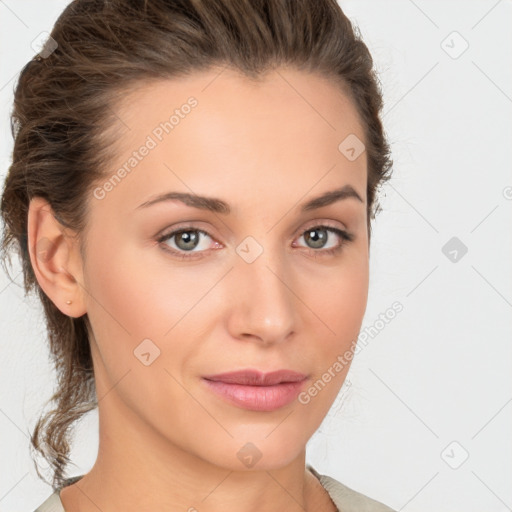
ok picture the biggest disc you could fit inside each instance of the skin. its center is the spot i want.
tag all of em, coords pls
(166, 441)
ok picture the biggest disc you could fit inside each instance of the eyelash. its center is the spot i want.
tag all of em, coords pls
(344, 236)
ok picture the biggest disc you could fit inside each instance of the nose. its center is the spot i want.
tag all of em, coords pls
(264, 305)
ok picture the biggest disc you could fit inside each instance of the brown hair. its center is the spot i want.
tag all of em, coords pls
(63, 107)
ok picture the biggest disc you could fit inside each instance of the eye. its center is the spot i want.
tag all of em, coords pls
(189, 238)
(186, 239)
(318, 236)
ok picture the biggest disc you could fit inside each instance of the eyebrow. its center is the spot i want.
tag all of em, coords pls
(219, 206)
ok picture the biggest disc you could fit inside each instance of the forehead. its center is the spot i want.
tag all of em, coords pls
(286, 128)
(300, 94)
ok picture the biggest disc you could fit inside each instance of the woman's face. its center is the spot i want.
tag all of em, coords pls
(256, 281)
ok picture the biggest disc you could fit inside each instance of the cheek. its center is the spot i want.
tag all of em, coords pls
(339, 299)
(339, 304)
(132, 305)
(349, 299)
(131, 295)
(138, 296)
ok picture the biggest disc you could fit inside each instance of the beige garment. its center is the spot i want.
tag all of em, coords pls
(345, 498)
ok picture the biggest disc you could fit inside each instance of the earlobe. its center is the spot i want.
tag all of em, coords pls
(55, 259)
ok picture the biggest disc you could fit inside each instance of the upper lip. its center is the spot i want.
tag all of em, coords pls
(257, 378)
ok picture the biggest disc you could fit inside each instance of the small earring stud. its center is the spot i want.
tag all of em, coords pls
(68, 302)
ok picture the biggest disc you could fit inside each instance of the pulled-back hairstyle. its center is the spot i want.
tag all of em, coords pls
(63, 107)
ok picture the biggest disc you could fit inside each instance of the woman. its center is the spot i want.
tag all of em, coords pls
(191, 193)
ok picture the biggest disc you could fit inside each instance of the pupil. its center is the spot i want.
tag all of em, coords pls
(318, 237)
(188, 239)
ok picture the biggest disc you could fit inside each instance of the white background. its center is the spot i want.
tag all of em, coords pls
(440, 371)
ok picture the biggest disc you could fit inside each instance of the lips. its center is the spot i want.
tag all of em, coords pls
(257, 378)
(255, 390)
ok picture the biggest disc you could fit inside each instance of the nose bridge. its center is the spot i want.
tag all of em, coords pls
(266, 304)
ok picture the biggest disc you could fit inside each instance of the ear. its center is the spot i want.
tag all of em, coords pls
(55, 257)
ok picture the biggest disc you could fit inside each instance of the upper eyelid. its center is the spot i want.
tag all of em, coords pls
(168, 234)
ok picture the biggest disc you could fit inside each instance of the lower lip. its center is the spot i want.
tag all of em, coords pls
(257, 398)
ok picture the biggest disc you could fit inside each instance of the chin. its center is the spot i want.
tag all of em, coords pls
(259, 451)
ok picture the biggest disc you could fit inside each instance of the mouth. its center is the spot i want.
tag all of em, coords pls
(255, 390)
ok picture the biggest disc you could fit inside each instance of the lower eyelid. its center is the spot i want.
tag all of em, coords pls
(342, 234)
(168, 236)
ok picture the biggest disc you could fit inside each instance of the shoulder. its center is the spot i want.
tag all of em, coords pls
(347, 499)
(53, 503)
